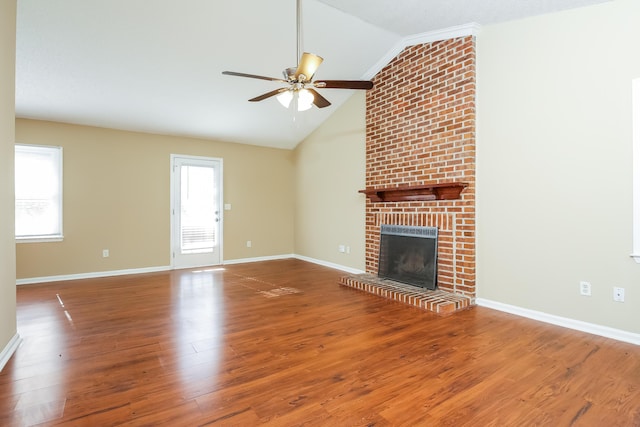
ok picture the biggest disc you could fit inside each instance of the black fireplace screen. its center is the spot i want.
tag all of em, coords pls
(408, 255)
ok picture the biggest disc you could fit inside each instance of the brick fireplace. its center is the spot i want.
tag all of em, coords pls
(420, 141)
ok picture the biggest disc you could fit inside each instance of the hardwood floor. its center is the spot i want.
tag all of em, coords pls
(281, 343)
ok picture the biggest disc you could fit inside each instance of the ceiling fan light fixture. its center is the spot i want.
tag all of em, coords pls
(305, 100)
(285, 98)
(301, 87)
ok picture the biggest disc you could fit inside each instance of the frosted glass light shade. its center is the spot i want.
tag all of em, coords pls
(285, 98)
(305, 100)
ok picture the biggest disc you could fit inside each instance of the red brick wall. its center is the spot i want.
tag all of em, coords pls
(420, 130)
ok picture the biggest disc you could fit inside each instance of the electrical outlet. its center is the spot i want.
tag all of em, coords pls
(585, 289)
(341, 249)
(348, 249)
(105, 253)
(618, 294)
(248, 243)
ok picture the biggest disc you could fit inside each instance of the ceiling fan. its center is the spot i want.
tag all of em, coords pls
(299, 80)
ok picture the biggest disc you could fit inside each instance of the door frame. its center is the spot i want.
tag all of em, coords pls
(172, 201)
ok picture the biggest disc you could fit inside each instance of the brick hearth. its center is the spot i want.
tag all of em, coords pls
(437, 301)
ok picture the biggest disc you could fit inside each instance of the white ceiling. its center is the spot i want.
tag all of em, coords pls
(155, 65)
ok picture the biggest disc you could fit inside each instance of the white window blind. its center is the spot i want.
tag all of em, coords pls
(38, 176)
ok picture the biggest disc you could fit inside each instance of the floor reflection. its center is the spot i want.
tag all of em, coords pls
(40, 393)
(198, 319)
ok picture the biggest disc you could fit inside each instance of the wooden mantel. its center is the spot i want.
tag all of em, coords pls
(441, 191)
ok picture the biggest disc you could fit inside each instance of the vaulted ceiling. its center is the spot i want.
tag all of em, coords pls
(155, 66)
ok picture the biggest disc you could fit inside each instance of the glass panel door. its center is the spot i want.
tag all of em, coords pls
(196, 216)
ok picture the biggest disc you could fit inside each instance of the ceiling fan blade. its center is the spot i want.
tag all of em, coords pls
(308, 66)
(319, 100)
(252, 76)
(269, 94)
(344, 84)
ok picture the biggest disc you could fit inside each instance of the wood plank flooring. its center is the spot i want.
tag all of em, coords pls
(280, 343)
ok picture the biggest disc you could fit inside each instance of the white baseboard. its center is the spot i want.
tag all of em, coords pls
(329, 264)
(591, 328)
(257, 259)
(9, 349)
(94, 275)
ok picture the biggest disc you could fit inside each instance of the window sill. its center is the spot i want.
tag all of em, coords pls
(39, 239)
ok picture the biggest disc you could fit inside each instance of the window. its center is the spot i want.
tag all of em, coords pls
(38, 174)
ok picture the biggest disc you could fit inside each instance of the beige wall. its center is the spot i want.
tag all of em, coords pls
(116, 196)
(330, 167)
(7, 135)
(554, 171)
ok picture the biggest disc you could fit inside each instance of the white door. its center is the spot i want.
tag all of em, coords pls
(196, 220)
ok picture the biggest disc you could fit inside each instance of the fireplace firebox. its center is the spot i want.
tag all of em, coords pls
(408, 254)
